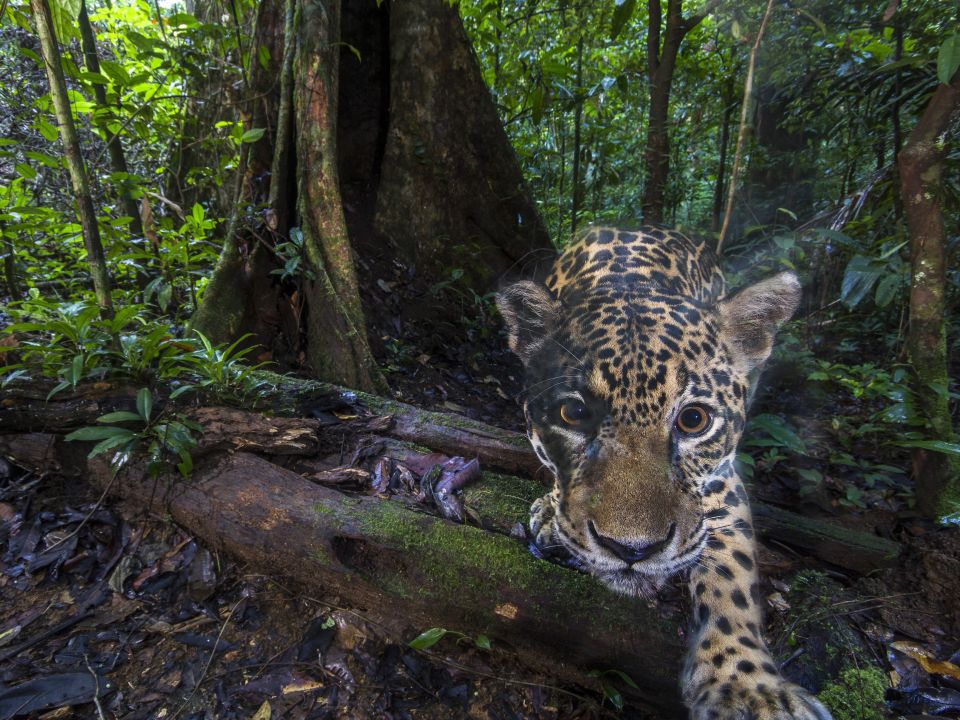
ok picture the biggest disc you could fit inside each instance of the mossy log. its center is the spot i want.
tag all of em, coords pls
(406, 567)
(309, 418)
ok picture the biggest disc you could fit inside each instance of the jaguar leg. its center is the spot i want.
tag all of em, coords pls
(730, 673)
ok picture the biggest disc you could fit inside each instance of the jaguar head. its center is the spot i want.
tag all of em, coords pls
(635, 399)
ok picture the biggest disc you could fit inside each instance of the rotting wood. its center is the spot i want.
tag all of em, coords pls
(389, 559)
(340, 417)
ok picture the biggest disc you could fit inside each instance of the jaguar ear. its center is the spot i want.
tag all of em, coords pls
(752, 317)
(531, 315)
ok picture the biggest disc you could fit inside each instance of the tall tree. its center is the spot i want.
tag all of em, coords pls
(50, 50)
(920, 163)
(663, 45)
(430, 182)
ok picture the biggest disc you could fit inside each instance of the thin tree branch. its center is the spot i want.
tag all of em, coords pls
(742, 133)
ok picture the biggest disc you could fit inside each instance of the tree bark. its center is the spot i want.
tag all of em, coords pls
(451, 193)
(920, 163)
(337, 345)
(227, 310)
(71, 146)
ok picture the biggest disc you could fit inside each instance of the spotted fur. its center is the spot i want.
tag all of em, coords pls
(633, 336)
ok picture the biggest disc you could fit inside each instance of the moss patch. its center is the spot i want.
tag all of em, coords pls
(503, 499)
(413, 555)
(857, 696)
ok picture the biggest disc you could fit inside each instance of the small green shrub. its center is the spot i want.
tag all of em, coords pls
(857, 696)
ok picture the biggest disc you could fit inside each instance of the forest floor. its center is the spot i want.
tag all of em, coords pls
(181, 631)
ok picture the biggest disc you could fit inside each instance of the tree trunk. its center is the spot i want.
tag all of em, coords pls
(337, 346)
(71, 147)
(373, 552)
(745, 106)
(451, 193)
(10, 271)
(661, 63)
(397, 159)
(576, 184)
(725, 123)
(920, 163)
(227, 309)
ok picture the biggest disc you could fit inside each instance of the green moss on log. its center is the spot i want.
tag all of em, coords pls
(503, 499)
(419, 557)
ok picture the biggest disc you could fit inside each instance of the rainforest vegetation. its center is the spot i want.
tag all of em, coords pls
(236, 235)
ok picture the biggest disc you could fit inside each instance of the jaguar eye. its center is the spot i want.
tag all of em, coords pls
(574, 412)
(693, 420)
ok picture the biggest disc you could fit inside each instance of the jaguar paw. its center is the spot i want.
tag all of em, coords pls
(761, 701)
(543, 541)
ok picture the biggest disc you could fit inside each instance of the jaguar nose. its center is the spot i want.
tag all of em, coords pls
(633, 552)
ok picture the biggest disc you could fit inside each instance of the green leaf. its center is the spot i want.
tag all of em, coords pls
(613, 695)
(65, 13)
(537, 103)
(76, 369)
(63, 385)
(144, 403)
(116, 72)
(94, 78)
(859, 277)
(263, 56)
(948, 59)
(25, 171)
(941, 446)
(164, 296)
(482, 642)
(181, 390)
(185, 466)
(621, 14)
(252, 135)
(887, 290)
(98, 433)
(626, 679)
(46, 129)
(43, 158)
(108, 444)
(354, 50)
(783, 435)
(428, 638)
(119, 416)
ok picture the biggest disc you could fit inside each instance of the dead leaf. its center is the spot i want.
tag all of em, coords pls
(264, 712)
(777, 602)
(927, 659)
(303, 685)
(507, 610)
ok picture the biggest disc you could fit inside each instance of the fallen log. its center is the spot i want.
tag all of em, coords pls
(390, 559)
(316, 418)
(340, 411)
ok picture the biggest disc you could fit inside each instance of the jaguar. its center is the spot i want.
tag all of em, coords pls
(637, 372)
